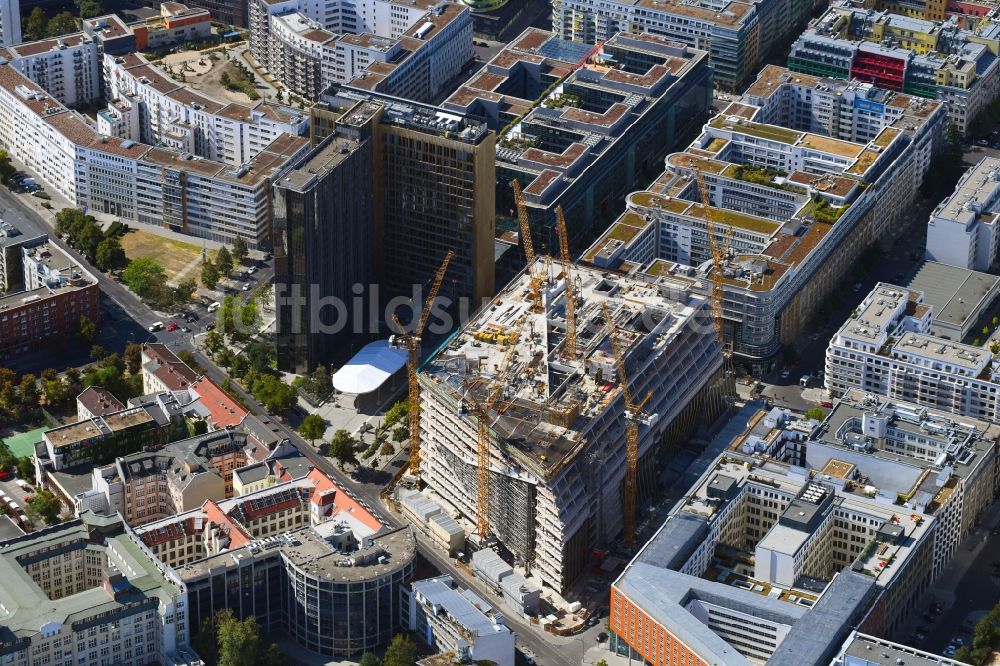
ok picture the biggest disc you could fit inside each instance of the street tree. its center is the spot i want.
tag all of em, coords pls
(110, 256)
(7, 169)
(224, 261)
(240, 250)
(312, 427)
(342, 448)
(145, 277)
(209, 275)
(402, 651)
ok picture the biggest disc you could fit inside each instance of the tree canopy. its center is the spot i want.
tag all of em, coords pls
(312, 427)
(342, 448)
(145, 276)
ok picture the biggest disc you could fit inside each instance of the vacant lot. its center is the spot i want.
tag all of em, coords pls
(178, 258)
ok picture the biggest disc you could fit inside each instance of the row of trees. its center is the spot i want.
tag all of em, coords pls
(38, 25)
(81, 232)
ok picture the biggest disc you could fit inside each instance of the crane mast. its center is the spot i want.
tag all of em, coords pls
(481, 410)
(411, 343)
(633, 414)
(535, 280)
(569, 349)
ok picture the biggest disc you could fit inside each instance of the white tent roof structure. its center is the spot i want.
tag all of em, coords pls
(369, 368)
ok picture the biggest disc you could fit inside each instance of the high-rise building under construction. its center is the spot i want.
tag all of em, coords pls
(558, 451)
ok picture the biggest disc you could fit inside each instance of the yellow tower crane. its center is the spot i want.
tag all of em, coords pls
(633, 414)
(719, 254)
(535, 283)
(411, 343)
(569, 349)
(481, 410)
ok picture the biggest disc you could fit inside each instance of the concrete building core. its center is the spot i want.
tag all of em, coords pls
(558, 458)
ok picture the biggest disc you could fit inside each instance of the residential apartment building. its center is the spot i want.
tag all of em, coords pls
(580, 127)
(777, 553)
(963, 229)
(225, 11)
(10, 22)
(434, 178)
(459, 622)
(217, 200)
(103, 438)
(171, 115)
(325, 245)
(557, 466)
(934, 59)
(47, 303)
(87, 591)
(66, 67)
(406, 49)
(181, 476)
(802, 174)
(886, 348)
(737, 34)
(272, 555)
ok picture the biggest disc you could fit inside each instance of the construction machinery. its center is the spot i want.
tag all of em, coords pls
(535, 283)
(633, 415)
(569, 349)
(481, 409)
(411, 343)
(720, 252)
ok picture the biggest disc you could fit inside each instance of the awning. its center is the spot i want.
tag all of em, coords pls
(369, 368)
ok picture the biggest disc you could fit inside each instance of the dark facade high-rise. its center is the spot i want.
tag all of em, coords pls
(323, 248)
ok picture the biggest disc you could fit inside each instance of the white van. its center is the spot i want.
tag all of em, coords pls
(804, 380)
(214, 306)
(156, 326)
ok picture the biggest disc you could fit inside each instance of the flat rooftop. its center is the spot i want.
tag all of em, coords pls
(957, 295)
(509, 333)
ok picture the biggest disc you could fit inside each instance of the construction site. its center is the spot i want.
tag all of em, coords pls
(544, 419)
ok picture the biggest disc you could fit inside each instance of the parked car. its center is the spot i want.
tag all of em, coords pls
(171, 327)
(785, 374)
(156, 326)
(252, 270)
(210, 327)
(185, 329)
(950, 651)
(247, 287)
(6, 476)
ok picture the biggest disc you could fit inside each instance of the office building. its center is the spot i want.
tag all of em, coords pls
(863, 650)
(88, 592)
(10, 22)
(46, 305)
(305, 557)
(737, 34)
(934, 59)
(787, 544)
(961, 300)
(919, 459)
(459, 622)
(805, 173)
(580, 127)
(886, 348)
(434, 176)
(558, 463)
(963, 229)
(408, 49)
(324, 247)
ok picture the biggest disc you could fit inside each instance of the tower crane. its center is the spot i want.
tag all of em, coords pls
(719, 254)
(411, 343)
(481, 410)
(569, 349)
(633, 414)
(535, 282)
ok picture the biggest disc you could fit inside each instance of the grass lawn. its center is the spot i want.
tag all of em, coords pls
(174, 255)
(23, 444)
